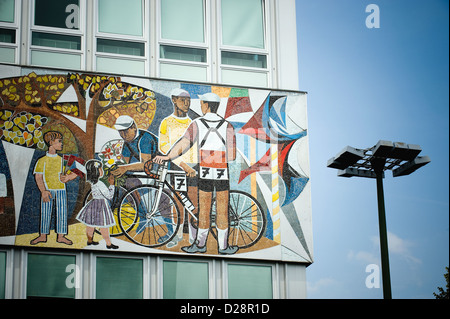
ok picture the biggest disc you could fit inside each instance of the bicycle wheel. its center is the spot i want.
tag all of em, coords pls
(247, 221)
(143, 227)
(113, 230)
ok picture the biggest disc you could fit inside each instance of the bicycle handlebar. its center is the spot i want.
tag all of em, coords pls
(154, 170)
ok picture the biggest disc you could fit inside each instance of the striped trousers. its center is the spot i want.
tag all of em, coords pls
(59, 197)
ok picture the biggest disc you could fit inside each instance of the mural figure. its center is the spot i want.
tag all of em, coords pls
(164, 166)
(97, 212)
(51, 182)
(139, 146)
(216, 142)
(171, 129)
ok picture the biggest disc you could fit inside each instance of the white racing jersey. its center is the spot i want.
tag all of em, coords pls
(212, 147)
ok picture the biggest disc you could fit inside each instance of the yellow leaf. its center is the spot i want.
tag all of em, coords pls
(30, 128)
(8, 124)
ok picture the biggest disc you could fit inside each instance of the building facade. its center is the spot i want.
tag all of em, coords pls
(87, 72)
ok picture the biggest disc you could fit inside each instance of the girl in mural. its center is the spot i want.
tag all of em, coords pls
(97, 212)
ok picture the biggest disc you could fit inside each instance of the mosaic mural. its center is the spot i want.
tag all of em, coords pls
(99, 162)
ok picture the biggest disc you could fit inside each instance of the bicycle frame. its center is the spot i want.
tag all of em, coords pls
(161, 182)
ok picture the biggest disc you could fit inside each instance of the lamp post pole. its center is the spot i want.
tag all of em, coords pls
(401, 159)
(378, 168)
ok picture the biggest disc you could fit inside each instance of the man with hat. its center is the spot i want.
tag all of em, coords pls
(139, 147)
(170, 130)
(216, 145)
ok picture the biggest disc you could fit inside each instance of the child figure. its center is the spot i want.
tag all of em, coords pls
(97, 212)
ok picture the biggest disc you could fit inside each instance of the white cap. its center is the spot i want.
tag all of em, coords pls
(123, 122)
(179, 92)
(209, 97)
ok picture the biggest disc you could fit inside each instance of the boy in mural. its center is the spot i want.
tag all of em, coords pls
(216, 142)
(52, 185)
(171, 129)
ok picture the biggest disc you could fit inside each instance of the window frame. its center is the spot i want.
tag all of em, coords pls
(9, 267)
(16, 27)
(145, 39)
(206, 45)
(274, 273)
(211, 273)
(146, 271)
(246, 50)
(81, 32)
(24, 274)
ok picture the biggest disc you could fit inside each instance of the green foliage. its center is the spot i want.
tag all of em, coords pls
(443, 294)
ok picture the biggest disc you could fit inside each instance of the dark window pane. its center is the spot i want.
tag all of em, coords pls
(244, 59)
(184, 54)
(7, 36)
(56, 40)
(119, 278)
(121, 47)
(52, 13)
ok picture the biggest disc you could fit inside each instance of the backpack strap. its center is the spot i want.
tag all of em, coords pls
(212, 129)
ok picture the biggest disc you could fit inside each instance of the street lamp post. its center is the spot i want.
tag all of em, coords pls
(402, 159)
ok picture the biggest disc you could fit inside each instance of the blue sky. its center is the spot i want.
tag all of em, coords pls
(365, 85)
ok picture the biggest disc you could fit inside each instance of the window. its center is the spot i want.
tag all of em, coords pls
(9, 31)
(243, 23)
(121, 37)
(47, 275)
(249, 282)
(2, 274)
(119, 278)
(57, 33)
(243, 48)
(185, 280)
(183, 48)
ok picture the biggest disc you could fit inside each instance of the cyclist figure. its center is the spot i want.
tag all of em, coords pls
(216, 143)
(171, 129)
(139, 147)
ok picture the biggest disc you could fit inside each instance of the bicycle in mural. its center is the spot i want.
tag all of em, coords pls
(148, 215)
